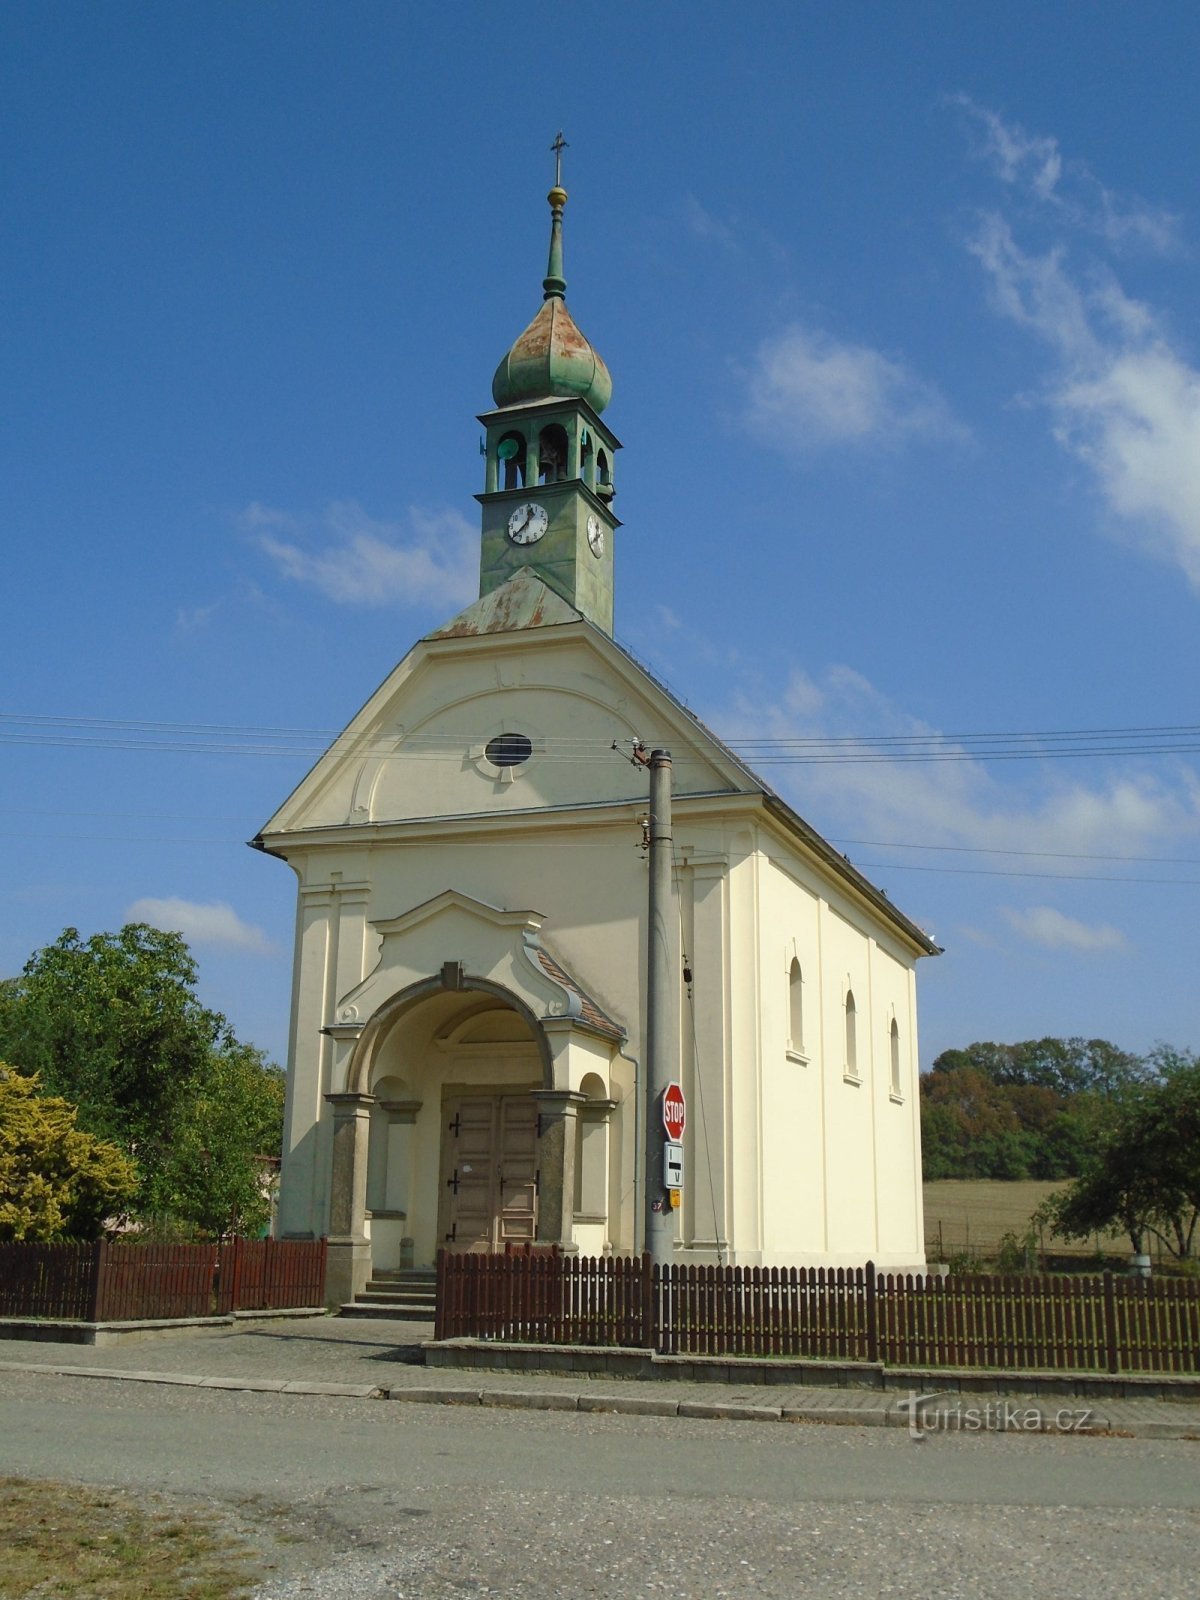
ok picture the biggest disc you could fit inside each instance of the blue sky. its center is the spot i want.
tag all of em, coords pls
(901, 309)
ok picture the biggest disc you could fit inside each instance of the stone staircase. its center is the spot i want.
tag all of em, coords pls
(409, 1294)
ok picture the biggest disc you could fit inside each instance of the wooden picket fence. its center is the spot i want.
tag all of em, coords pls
(1035, 1323)
(126, 1281)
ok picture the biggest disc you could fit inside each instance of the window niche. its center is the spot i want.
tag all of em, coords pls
(851, 1051)
(894, 1058)
(795, 998)
(591, 1151)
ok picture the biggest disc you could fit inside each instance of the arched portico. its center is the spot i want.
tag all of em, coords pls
(456, 1123)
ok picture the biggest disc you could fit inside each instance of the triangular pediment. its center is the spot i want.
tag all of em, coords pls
(520, 662)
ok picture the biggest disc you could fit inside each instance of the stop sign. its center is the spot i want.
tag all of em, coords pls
(674, 1112)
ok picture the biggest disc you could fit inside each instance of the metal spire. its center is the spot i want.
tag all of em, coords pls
(554, 284)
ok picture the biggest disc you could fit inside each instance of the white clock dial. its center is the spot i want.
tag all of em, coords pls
(528, 523)
(595, 533)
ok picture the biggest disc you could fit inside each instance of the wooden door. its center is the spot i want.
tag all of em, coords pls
(489, 1172)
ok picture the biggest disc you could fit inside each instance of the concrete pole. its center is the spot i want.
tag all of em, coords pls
(662, 1056)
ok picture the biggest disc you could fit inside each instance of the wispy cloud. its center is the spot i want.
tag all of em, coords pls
(1045, 926)
(1124, 400)
(1122, 393)
(1035, 165)
(806, 390)
(216, 924)
(353, 559)
(958, 802)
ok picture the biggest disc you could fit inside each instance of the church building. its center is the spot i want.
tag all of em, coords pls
(466, 1065)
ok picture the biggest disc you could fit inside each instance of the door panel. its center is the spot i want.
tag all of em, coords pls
(489, 1172)
(518, 1171)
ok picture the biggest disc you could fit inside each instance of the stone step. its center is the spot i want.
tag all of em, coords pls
(420, 1291)
(400, 1310)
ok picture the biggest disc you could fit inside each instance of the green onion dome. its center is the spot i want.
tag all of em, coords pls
(552, 358)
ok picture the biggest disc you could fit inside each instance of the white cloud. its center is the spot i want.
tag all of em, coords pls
(807, 390)
(1045, 926)
(1124, 401)
(215, 924)
(1034, 164)
(955, 803)
(353, 559)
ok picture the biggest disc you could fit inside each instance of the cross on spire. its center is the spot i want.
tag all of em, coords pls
(559, 145)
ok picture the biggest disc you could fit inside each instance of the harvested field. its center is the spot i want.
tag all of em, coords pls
(972, 1215)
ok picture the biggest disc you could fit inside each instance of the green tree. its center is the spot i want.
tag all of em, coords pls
(113, 1023)
(56, 1182)
(1020, 1110)
(219, 1175)
(1143, 1172)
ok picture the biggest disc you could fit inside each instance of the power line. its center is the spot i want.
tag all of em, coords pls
(128, 734)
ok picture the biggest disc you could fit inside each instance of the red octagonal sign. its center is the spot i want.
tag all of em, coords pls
(674, 1112)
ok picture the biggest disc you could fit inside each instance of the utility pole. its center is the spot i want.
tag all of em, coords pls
(661, 986)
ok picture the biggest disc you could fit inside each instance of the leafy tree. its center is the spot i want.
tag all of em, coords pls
(1020, 1110)
(56, 1182)
(113, 1023)
(216, 1175)
(1143, 1174)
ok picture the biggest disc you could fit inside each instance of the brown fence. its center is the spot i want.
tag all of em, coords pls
(1039, 1323)
(126, 1281)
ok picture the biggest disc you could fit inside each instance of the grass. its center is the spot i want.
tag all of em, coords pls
(66, 1542)
(971, 1215)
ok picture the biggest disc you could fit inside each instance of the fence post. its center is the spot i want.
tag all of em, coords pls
(650, 1330)
(1110, 1322)
(439, 1297)
(99, 1262)
(872, 1315)
(235, 1275)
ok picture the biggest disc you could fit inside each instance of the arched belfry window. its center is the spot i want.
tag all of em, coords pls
(604, 486)
(587, 453)
(552, 454)
(795, 1008)
(894, 1049)
(510, 455)
(851, 1035)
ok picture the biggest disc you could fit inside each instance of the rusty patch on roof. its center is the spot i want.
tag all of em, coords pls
(523, 602)
(589, 1012)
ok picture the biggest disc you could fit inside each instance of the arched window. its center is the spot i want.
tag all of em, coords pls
(851, 1035)
(795, 1008)
(603, 476)
(510, 453)
(894, 1043)
(552, 454)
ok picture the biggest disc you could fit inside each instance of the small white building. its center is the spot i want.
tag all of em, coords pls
(468, 1004)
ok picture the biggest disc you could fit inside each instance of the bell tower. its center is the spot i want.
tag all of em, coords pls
(548, 483)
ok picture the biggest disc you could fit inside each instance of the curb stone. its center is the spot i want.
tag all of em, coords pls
(883, 1412)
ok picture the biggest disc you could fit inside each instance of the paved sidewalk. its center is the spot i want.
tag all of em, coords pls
(369, 1358)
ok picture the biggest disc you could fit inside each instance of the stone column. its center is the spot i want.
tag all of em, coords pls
(349, 1260)
(556, 1166)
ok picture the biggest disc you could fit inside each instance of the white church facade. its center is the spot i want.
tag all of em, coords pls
(468, 1017)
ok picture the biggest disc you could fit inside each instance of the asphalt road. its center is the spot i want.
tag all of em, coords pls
(374, 1499)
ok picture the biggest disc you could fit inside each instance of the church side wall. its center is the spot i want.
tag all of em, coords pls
(841, 1150)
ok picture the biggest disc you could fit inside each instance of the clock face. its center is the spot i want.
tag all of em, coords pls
(528, 523)
(595, 533)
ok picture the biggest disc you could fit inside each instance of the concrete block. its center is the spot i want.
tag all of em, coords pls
(248, 1385)
(530, 1400)
(353, 1391)
(629, 1405)
(435, 1397)
(727, 1411)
